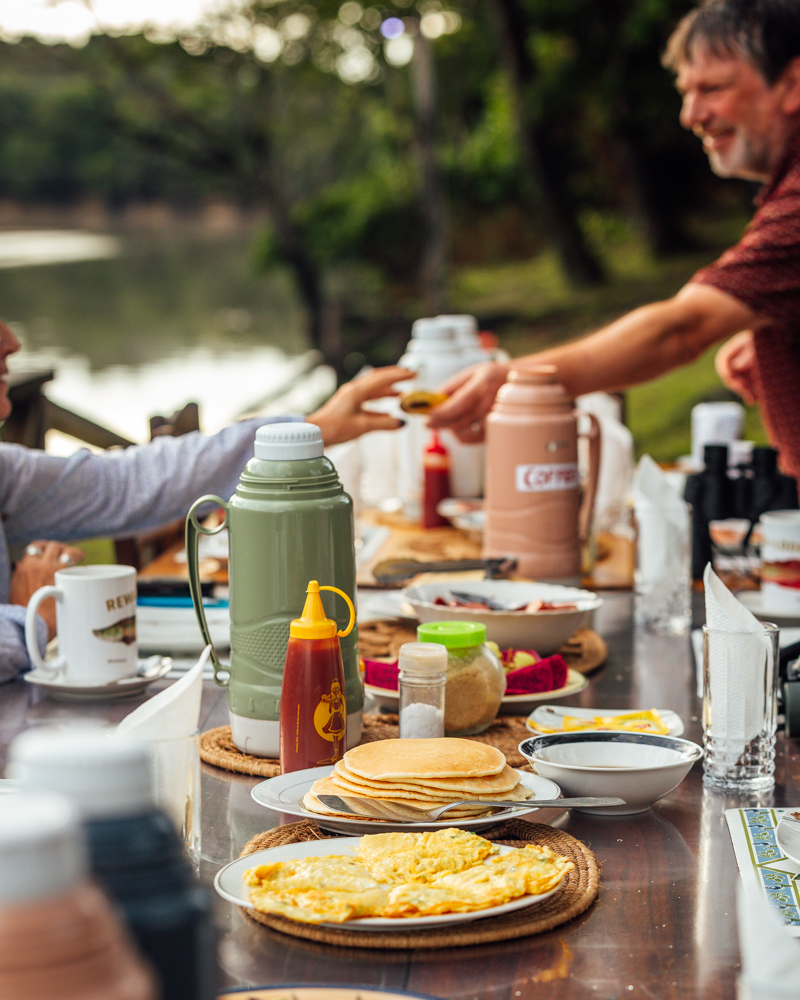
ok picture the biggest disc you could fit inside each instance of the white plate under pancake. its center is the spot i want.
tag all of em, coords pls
(284, 794)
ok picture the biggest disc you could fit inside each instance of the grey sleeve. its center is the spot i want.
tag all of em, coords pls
(118, 493)
(13, 651)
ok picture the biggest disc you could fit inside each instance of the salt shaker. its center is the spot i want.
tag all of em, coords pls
(423, 667)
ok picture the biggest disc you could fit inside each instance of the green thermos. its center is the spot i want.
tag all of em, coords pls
(289, 522)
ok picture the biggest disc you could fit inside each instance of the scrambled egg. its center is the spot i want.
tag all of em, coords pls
(334, 888)
(404, 875)
(419, 857)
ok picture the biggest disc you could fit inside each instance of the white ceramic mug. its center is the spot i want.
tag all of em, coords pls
(96, 620)
(780, 559)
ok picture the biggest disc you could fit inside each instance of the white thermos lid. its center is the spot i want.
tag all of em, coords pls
(288, 442)
(42, 850)
(102, 777)
(464, 326)
(431, 329)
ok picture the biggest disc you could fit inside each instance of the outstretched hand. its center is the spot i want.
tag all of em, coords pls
(471, 393)
(736, 365)
(343, 417)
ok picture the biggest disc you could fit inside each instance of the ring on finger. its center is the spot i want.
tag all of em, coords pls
(33, 550)
(66, 559)
(476, 427)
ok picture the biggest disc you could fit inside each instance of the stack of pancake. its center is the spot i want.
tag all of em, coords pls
(403, 779)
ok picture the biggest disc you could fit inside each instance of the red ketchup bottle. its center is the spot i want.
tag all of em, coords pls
(313, 718)
(436, 486)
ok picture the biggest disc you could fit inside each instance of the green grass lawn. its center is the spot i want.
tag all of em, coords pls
(531, 306)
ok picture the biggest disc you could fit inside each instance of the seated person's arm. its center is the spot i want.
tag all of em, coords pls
(643, 344)
(147, 486)
(13, 651)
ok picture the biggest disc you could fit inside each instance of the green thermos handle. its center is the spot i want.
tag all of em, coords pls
(193, 530)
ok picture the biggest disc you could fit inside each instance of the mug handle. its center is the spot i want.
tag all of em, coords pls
(30, 629)
(194, 529)
(587, 504)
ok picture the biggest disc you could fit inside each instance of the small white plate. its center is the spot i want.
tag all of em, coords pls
(512, 704)
(59, 687)
(389, 603)
(787, 834)
(552, 716)
(229, 883)
(753, 600)
(284, 794)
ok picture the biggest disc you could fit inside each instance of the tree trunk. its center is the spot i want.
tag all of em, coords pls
(307, 274)
(543, 154)
(434, 255)
(656, 217)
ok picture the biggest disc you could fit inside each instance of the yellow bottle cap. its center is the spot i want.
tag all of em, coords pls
(313, 624)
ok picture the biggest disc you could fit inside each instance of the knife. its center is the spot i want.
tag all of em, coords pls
(342, 804)
(393, 572)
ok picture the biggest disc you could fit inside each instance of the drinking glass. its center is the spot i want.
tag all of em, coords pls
(176, 777)
(740, 683)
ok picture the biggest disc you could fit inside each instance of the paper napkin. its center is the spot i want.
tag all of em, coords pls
(736, 668)
(662, 517)
(174, 711)
(616, 460)
(770, 957)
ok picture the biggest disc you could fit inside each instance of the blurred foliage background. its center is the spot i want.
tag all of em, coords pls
(518, 159)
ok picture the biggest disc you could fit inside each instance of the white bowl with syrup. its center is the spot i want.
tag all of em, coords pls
(638, 767)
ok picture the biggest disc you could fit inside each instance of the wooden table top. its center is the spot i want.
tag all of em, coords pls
(664, 923)
(613, 568)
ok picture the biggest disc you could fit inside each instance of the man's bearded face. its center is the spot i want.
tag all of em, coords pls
(738, 115)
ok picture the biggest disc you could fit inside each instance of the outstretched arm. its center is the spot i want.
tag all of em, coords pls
(643, 344)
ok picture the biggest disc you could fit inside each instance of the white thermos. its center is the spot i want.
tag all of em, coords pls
(435, 354)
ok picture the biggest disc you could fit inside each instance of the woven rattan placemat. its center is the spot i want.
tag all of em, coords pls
(585, 651)
(217, 747)
(578, 891)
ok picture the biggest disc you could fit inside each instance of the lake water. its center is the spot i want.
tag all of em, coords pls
(139, 324)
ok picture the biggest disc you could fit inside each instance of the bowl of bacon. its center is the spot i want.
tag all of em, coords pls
(516, 614)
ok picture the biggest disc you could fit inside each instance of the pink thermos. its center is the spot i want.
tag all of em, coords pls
(533, 504)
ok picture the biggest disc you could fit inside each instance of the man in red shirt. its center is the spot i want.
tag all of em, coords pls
(738, 70)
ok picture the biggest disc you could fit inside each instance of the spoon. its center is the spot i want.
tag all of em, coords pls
(149, 669)
(462, 597)
(343, 804)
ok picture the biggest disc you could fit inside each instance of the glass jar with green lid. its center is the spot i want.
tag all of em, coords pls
(476, 681)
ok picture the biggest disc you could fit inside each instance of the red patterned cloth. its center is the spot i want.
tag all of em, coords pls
(763, 271)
